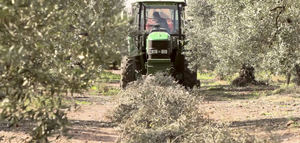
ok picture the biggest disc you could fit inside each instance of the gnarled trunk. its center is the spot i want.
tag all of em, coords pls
(246, 77)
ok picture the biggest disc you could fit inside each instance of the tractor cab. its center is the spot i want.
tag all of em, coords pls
(157, 44)
(164, 17)
(165, 14)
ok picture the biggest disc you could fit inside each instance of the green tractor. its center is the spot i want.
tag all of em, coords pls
(158, 43)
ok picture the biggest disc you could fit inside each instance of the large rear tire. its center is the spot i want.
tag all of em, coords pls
(128, 68)
(190, 78)
(186, 77)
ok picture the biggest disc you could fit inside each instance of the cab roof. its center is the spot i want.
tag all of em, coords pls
(174, 1)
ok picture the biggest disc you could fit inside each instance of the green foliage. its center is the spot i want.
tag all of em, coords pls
(83, 102)
(48, 48)
(156, 109)
(205, 76)
(104, 89)
(46, 111)
(107, 76)
(110, 91)
(200, 53)
(228, 34)
(291, 89)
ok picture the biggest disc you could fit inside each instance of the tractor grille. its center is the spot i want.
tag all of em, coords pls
(160, 44)
(159, 49)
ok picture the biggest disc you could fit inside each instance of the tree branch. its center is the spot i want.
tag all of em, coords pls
(276, 22)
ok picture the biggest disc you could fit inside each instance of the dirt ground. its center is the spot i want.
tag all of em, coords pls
(268, 116)
(89, 124)
(251, 109)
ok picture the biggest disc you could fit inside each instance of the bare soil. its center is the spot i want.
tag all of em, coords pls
(269, 116)
(88, 124)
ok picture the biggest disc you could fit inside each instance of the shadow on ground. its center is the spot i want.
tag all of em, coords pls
(91, 123)
(270, 126)
(92, 130)
(266, 124)
(227, 92)
(78, 129)
(24, 126)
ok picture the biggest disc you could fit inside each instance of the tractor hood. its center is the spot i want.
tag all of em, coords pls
(158, 36)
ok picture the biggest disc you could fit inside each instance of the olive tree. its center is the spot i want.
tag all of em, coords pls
(199, 18)
(249, 34)
(284, 53)
(51, 48)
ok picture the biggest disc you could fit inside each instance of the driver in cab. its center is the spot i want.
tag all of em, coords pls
(161, 21)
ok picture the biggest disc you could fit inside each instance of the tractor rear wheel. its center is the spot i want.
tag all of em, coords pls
(127, 71)
(190, 78)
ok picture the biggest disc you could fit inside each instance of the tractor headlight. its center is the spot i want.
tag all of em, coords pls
(153, 52)
(164, 51)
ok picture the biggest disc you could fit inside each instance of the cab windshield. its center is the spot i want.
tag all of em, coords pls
(164, 17)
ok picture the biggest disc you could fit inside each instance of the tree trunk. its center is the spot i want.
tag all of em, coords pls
(2, 96)
(246, 77)
(115, 65)
(297, 75)
(220, 76)
(288, 78)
